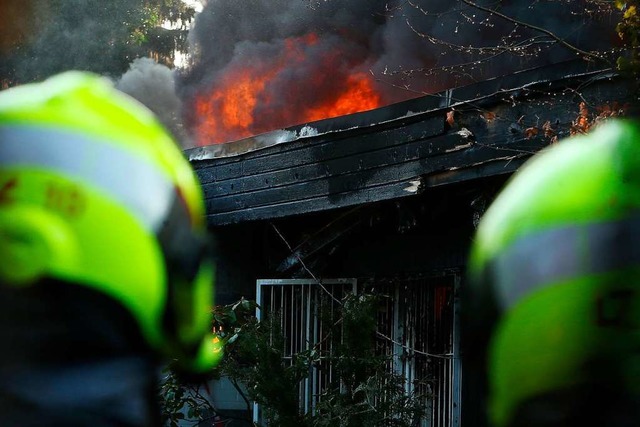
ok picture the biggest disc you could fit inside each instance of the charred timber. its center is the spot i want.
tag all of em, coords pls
(486, 129)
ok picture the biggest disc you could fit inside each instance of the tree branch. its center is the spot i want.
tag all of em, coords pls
(304, 265)
(235, 385)
(535, 28)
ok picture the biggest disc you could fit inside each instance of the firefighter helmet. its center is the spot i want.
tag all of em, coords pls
(552, 309)
(94, 191)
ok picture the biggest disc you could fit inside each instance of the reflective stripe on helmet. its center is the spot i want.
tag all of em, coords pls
(136, 184)
(559, 254)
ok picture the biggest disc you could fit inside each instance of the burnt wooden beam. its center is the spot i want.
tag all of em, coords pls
(372, 156)
(341, 186)
(329, 234)
(284, 165)
(315, 204)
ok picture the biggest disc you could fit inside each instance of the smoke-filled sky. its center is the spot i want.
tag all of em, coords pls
(379, 35)
(258, 65)
(306, 51)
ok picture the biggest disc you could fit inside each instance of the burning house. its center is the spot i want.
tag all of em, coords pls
(326, 172)
(386, 201)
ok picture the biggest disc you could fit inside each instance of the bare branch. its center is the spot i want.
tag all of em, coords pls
(235, 385)
(535, 28)
(305, 266)
(439, 356)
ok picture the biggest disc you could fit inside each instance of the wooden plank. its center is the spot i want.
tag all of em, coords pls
(510, 117)
(546, 78)
(334, 231)
(285, 156)
(340, 166)
(367, 195)
(350, 182)
(495, 167)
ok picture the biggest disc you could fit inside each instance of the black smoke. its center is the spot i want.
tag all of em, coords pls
(412, 47)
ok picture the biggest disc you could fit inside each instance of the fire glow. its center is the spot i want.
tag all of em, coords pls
(245, 99)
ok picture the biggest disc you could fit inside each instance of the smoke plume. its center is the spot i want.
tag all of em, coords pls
(296, 57)
(262, 65)
(153, 84)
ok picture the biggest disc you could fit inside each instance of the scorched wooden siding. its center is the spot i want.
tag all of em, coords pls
(481, 130)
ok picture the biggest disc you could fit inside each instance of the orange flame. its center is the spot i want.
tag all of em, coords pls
(228, 111)
(359, 96)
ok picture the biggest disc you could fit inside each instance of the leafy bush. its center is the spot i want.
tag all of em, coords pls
(365, 391)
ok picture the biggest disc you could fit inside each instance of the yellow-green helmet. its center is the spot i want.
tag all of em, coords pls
(551, 331)
(93, 191)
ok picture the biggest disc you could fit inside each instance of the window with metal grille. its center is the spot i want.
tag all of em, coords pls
(416, 328)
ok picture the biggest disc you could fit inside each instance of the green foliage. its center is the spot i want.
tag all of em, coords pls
(254, 358)
(94, 35)
(365, 392)
(368, 393)
(180, 401)
(629, 31)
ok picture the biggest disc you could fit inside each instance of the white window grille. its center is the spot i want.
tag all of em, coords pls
(417, 327)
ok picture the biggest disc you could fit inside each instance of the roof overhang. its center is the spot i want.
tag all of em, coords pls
(485, 129)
